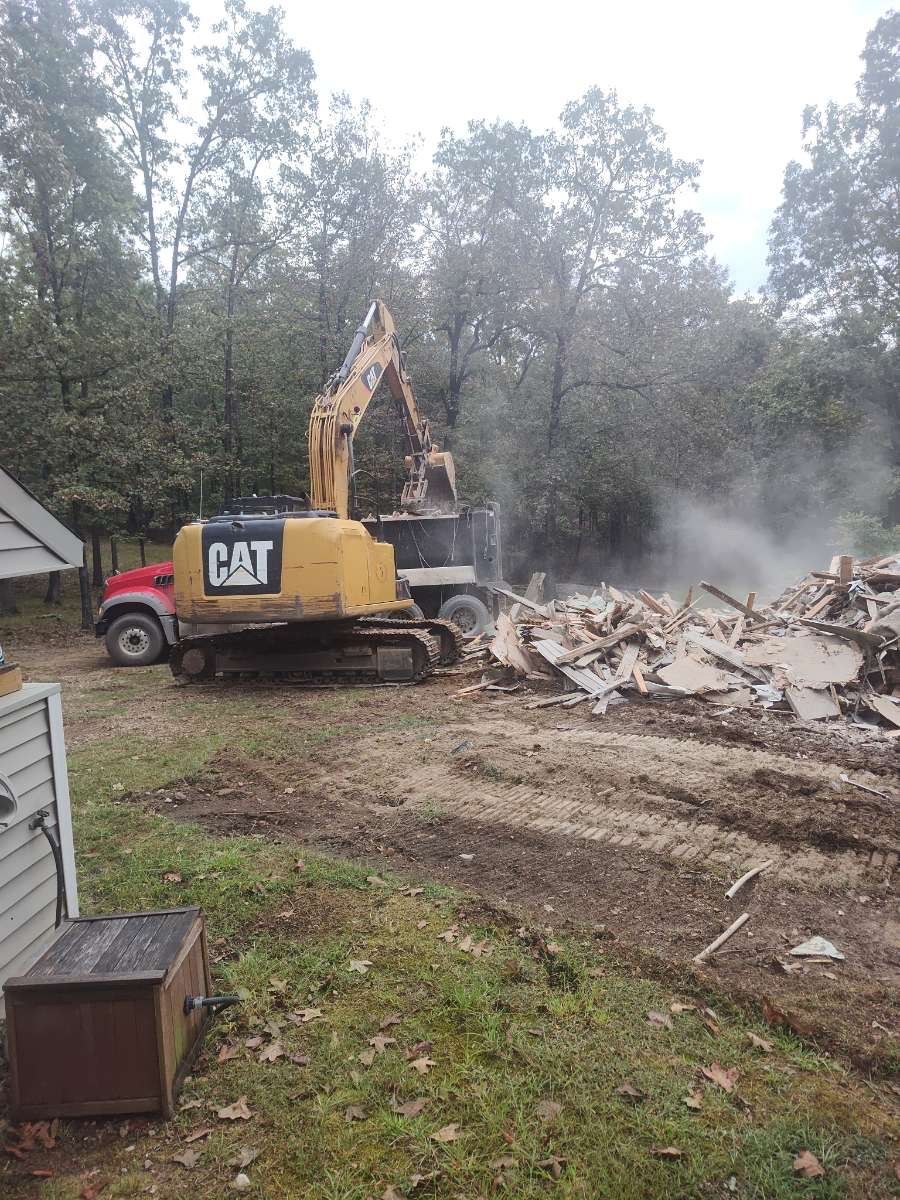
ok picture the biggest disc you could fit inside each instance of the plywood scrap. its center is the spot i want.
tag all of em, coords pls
(885, 707)
(811, 704)
(694, 676)
(810, 661)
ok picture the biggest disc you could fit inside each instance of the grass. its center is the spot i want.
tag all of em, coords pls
(528, 1047)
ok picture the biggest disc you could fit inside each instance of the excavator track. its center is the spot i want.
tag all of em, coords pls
(449, 636)
(362, 653)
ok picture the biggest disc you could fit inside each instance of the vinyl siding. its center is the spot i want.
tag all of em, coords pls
(27, 870)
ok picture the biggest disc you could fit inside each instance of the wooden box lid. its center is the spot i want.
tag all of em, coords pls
(125, 948)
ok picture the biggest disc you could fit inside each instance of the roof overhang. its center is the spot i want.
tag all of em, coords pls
(32, 540)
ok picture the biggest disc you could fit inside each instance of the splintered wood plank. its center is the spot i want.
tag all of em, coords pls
(588, 681)
(737, 631)
(810, 704)
(654, 604)
(622, 634)
(845, 570)
(639, 680)
(746, 609)
(819, 606)
(629, 659)
(751, 599)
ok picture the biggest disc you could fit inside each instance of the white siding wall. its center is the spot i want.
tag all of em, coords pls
(32, 758)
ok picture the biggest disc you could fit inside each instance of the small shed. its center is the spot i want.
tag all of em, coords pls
(32, 540)
(37, 862)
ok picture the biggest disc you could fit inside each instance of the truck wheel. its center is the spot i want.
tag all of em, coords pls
(135, 640)
(467, 613)
(404, 614)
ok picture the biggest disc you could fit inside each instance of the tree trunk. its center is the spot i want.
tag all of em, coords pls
(87, 604)
(143, 551)
(231, 407)
(556, 390)
(8, 606)
(114, 554)
(96, 560)
(53, 594)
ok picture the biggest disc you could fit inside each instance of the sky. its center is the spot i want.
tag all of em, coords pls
(728, 81)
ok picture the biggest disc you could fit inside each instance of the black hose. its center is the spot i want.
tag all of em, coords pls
(40, 822)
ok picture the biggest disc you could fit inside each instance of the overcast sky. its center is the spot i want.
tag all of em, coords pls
(728, 81)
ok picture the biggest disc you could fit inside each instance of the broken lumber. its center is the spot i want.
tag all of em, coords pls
(746, 877)
(722, 938)
(748, 612)
(605, 643)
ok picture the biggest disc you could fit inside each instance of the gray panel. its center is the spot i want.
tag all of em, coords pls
(63, 547)
(14, 537)
(34, 868)
(34, 917)
(25, 724)
(35, 561)
(18, 833)
(23, 710)
(17, 758)
(32, 778)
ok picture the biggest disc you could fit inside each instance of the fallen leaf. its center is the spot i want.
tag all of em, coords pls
(391, 1193)
(241, 1182)
(270, 1053)
(506, 1163)
(367, 1057)
(773, 1014)
(273, 1027)
(421, 924)
(299, 1060)
(417, 1049)
(628, 1091)
(171, 877)
(410, 1108)
(694, 1100)
(412, 891)
(278, 985)
(554, 1165)
(760, 1043)
(197, 1134)
(718, 1074)
(391, 1019)
(188, 1158)
(548, 1110)
(91, 1191)
(659, 1020)
(186, 1104)
(678, 1007)
(354, 1112)
(423, 1065)
(254, 1043)
(359, 964)
(466, 944)
(235, 1112)
(666, 1151)
(302, 1016)
(808, 1165)
(449, 935)
(379, 1041)
(376, 881)
(244, 1158)
(417, 1179)
(299, 865)
(447, 1133)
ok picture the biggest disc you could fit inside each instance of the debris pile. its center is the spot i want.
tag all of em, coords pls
(827, 647)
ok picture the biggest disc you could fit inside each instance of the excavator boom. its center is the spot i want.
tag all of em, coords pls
(339, 409)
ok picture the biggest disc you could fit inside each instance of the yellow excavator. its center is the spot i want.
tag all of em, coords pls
(279, 586)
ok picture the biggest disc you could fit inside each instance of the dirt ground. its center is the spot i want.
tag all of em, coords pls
(632, 825)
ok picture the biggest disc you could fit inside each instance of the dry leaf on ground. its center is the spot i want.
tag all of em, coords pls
(354, 1112)
(694, 1100)
(554, 1165)
(410, 1108)
(659, 1020)
(367, 1057)
(391, 1193)
(807, 1165)
(666, 1151)
(300, 1060)
(376, 881)
(254, 1043)
(270, 1053)
(726, 1079)
(277, 985)
(448, 1133)
(197, 1134)
(391, 1019)
(423, 1065)
(188, 1158)
(227, 1052)
(548, 1110)
(379, 1041)
(235, 1112)
(449, 935)
(243, 1158)
(361, 965)
(760, 1043)
(677, 1006)
(628, 1091)
(302, 1016)
(171, 877)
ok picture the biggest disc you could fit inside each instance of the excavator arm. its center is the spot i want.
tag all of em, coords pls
(339, 409)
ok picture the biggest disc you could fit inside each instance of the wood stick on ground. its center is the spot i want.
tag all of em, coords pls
(751, 874)
(638, 678)
(737, 631)
(605, 643)
(722, 938)
(751, 599)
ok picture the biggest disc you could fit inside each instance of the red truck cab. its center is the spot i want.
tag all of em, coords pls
(137, 615)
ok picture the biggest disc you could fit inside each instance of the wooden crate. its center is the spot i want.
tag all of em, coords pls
(98, 1023)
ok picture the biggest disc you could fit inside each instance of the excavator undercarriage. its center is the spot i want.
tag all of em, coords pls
(366, 651)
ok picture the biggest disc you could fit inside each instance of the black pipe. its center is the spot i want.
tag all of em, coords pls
(40, 822)
(213, 1002)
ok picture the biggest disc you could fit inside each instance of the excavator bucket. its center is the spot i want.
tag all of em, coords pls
(434, 489)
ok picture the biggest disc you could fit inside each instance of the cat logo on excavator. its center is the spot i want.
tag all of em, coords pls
(242, 562)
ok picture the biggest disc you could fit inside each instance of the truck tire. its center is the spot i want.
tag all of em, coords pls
(135, 640)
(467, 613)
(404, 614)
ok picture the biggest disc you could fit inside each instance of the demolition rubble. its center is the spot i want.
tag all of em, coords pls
(826, 648)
